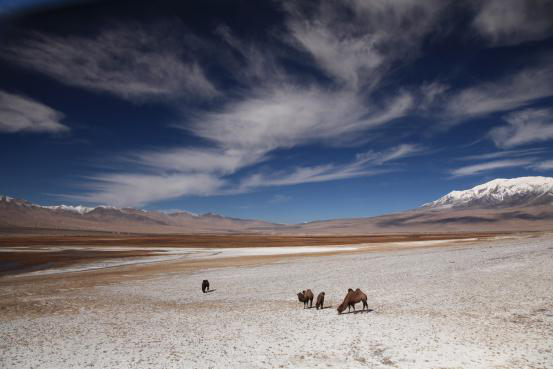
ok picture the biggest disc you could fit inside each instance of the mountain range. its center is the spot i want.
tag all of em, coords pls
(523, 203)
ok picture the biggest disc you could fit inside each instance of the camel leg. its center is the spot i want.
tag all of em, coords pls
(311, 303)
(365, 305)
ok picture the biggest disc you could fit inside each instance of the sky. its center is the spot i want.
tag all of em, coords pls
(284, 111)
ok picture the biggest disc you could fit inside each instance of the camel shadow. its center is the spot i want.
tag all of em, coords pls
(327, 307)
(209, 291)
(358, 311)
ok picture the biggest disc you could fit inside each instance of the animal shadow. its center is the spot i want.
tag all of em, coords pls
(208, 291)
(359, 311)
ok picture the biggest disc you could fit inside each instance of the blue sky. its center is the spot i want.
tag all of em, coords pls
(275, 110)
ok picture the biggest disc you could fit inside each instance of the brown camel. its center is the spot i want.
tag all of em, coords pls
(320, 301)
(306, 296)
(352, 298)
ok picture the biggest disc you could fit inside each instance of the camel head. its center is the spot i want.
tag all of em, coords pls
(301, 296)
(341, 308)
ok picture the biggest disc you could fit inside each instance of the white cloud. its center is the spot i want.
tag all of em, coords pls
(509, 22)
(364, 164)
(127, 60)
(505, 154)
(356, 41)
(394, 153)
(287, 116)
(318, 173)
(543, 165)
(22, 114)
(524, 127)
(195, 160)
(505, 94)
(139, 189)
(489, 166)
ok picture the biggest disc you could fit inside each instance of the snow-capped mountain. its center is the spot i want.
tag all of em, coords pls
(77, 209)
(74, 209)
(499, 193)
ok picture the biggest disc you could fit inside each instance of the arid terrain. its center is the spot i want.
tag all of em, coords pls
(24, 253)
(468, 301)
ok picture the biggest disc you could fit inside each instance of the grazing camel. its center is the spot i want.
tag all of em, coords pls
(320, 301)
(352, 298)
(205, 286)
(306, 296)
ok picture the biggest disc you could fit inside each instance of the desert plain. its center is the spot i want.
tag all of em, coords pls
(435, 301)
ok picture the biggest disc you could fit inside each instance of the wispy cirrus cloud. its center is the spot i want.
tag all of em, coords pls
(524, 127)
(505, 94)
(490, 166)
(356, 42)
(348, 50)
(274, 110)
(307, 174)
(364, 164)
(287, 116)
(543, 165)
(505, 154)
(135, 189)
(509, 22)
(22, 114)
(127, 60)
(391, 154)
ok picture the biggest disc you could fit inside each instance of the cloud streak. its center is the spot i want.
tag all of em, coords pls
(140, 189)
(22, 114)
(128, 60)
(480, 168)
(504, 94)
(509, 22)
(524, 127)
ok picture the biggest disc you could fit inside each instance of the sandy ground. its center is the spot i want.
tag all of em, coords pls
(483, 304)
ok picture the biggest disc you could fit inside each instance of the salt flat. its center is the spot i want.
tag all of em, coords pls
(484, 304)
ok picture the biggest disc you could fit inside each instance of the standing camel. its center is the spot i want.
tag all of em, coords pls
(352, 298)
(306, 296)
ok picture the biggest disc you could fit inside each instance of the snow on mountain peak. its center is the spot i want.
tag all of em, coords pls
(500, 193)
(76, 209)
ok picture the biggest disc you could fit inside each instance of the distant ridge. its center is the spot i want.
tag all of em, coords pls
(517, 204)
(19, 213)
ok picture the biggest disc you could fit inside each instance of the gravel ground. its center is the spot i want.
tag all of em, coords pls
(478, 305)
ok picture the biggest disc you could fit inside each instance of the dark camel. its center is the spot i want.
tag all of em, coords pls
(306, 297)
(205, 286)
(352, 298)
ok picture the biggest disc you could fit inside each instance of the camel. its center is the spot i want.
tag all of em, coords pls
(320, 301)
(205, 286)
(306, 296)
(352, 298)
